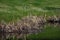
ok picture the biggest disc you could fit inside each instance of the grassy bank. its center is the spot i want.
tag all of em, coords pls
(12, 10)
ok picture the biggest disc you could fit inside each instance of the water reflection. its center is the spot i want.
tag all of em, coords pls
(53, 24)
(4, 36)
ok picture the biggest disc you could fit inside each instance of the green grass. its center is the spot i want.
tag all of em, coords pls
(12, 10)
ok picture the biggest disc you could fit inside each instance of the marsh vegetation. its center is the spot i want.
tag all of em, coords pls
(30, 16)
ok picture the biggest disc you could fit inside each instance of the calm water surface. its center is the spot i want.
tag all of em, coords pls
(4, 36)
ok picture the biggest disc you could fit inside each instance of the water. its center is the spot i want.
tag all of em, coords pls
(13, 36)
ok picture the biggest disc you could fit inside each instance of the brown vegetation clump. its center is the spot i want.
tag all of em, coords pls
(53, 19)
(32, 24)
(28, 24)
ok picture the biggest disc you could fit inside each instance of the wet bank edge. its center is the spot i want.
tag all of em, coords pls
(28, 24)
